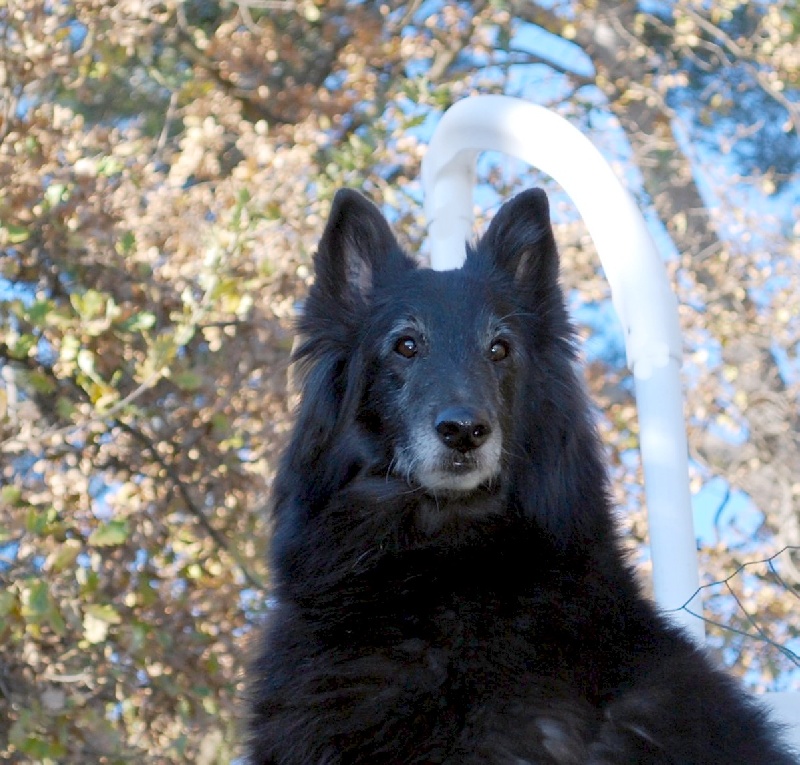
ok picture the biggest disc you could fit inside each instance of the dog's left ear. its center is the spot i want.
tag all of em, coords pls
(520, 241)
(357, 249)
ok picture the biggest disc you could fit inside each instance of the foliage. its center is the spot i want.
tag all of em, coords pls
(166, 168)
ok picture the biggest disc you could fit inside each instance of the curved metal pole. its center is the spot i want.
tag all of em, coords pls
(640, 291)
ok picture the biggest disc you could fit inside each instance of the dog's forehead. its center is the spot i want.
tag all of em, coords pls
(446, 299)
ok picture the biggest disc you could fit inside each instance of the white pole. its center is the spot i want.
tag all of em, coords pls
(640, 291)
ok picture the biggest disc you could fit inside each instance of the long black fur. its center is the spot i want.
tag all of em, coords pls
(421, 619)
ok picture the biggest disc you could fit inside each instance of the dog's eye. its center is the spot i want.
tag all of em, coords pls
(498, 350)
(406, 346)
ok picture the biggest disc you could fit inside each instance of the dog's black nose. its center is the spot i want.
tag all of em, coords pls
(461, 428)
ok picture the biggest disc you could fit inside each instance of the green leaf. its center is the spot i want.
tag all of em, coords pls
(126, 243)
(109, 166)
(66, 555)
(70, 346)
(413, 122)
(139, 322)
(146, 593)
(38, 312)
(88, 580)
(22, 347)
(194, 571)
(36, 600)
(65, 407)
(15, 234)
(137, 635)
(56, 193)
(11, 495)
(86, 362)
(37, 519)
(41, 382)
(188, 380)
(7, 601)
(109, 534)
(184, 333)
(159, 355)
(103, 613)
(18, 732)
(90, 304)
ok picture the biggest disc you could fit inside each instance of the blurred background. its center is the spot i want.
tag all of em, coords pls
(165, 172)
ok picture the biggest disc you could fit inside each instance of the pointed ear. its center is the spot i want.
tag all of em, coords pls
(520, 241)
(357, 249)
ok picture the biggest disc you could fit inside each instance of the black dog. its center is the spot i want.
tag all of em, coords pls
(449, 585)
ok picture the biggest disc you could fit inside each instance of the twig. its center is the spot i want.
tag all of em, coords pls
(190, 504)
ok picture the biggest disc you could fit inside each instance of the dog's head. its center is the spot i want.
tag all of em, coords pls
(432, 368)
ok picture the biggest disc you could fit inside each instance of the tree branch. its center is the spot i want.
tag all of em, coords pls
(189, 503)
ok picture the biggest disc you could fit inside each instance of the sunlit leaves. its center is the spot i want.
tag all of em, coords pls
(97, 620)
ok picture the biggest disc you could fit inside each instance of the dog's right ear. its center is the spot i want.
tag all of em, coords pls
(520, 241)
(357, 250)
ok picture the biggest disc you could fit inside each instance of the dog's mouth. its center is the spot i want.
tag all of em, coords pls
(440, 469)
(456, 472)
(460, 464)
